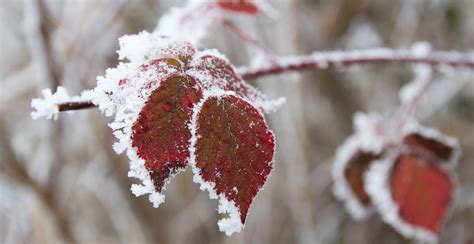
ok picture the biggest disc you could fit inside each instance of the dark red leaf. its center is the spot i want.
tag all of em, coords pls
(354, 174)
(234, 149)
(243, 6)
(160, 134)
(422, 191)
(438, 148)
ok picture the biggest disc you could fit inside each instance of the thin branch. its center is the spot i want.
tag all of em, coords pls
(248, 39)
(75, 106)
(336, 59)
(421, 83)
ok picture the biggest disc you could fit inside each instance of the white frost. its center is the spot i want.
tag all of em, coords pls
(368, 137)
(47, 107)
(423, 75)
(430, 133)
(377, 185)
(232, 223)
(126, 100)
(377, 182)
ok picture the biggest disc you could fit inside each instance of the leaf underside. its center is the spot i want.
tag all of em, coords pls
(422, 192)
(234, 149)
(160, 134)
(354, 175)
(441, 150)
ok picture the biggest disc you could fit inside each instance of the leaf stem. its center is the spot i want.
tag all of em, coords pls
(248, 39)
(75, 106)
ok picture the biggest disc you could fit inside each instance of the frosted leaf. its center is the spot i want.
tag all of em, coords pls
(153, 99)
(231, 157)
(352, 160)
(380, 180)
(402, 183)
(445, 149)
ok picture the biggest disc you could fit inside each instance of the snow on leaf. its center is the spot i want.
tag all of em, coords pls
(233, 155)
(213, 70)
(156, 97)
(218, 72)
(443, 149)
(413, 187)
(352, 160)
(160, 134)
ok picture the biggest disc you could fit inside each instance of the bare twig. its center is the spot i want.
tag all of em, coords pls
(408, 107)
(75, 106)
(335, 59)
(248, 39)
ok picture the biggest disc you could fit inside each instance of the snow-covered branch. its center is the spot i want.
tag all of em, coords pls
(316, 60)
(336, 59)
(53, 103)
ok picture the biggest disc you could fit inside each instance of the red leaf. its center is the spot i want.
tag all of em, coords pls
(243, 6)
(234, 149)
(422, 191)
(413, 186)
(160, 134)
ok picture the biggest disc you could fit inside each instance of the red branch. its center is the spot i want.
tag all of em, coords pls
(75, 106)
(248, 39)
(408, 107)
(336, 59)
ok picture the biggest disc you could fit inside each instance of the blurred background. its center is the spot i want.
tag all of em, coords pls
(60, 181)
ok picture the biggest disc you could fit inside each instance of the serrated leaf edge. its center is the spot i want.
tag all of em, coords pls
(232, 223)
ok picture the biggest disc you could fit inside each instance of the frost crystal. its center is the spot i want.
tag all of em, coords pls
(357, 152)
(47, 107)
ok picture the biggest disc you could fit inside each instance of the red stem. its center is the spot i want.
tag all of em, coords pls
(75, 106)
(407, 108)
(248, 39)
(329, 60)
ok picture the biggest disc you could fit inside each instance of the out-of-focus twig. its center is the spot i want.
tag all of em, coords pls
(19, 173)
(248, 39)
(335, 59)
